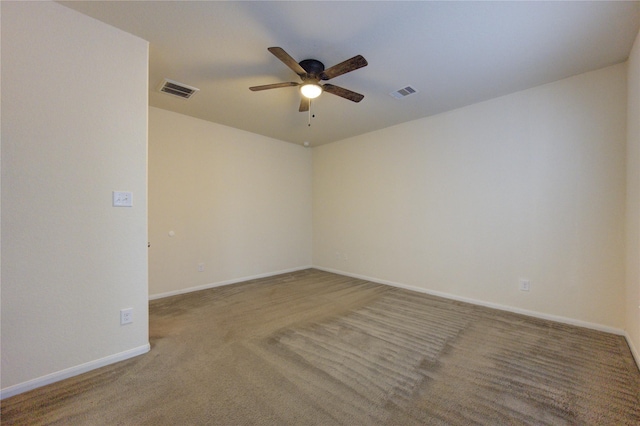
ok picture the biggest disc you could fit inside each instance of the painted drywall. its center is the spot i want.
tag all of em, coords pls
(74, 129)
(633, 201)
(236, 203)
(467, 203)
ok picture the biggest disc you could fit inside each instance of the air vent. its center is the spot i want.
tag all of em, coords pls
(177, 89)
(404, 92)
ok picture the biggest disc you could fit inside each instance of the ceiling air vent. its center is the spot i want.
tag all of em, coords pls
(404, 92)
(177, 89)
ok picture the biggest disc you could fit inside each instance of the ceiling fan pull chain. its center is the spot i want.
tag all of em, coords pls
(309, 113)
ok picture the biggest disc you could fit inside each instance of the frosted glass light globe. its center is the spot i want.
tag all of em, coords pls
(311, 90)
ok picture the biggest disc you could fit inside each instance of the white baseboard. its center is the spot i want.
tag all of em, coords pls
(92, 365)
(227, 282)
(535, 314)
(634, 350)
(73, 371)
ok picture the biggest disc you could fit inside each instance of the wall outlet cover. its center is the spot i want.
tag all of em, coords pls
(126, 316)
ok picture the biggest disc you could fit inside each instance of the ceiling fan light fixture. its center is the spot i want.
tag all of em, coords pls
(311, 71)
(311, 90)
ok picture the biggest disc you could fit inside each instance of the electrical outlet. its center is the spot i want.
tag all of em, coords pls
(126, 316)
(200, 267)
(525, 285)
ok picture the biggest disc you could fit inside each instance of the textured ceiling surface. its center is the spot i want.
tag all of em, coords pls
(453, 53)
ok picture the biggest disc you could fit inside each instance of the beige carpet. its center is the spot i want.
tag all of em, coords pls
(314, 348)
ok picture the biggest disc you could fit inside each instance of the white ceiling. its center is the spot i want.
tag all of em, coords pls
(453, 53)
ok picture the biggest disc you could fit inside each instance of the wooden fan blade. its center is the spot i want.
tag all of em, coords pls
(344, 67)
(304, 104)
(279, 53)
(342, 92)
(273, 86)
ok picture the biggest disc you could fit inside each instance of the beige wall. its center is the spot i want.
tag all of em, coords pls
(633, 201)
(237, 203)
(530, 185)
(74, 129)
(466, 203)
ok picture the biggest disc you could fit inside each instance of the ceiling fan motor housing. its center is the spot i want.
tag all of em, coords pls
(313, 67)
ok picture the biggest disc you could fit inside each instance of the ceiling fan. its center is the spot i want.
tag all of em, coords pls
(311, 71)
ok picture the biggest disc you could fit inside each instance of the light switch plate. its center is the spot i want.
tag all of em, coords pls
(122, 199)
